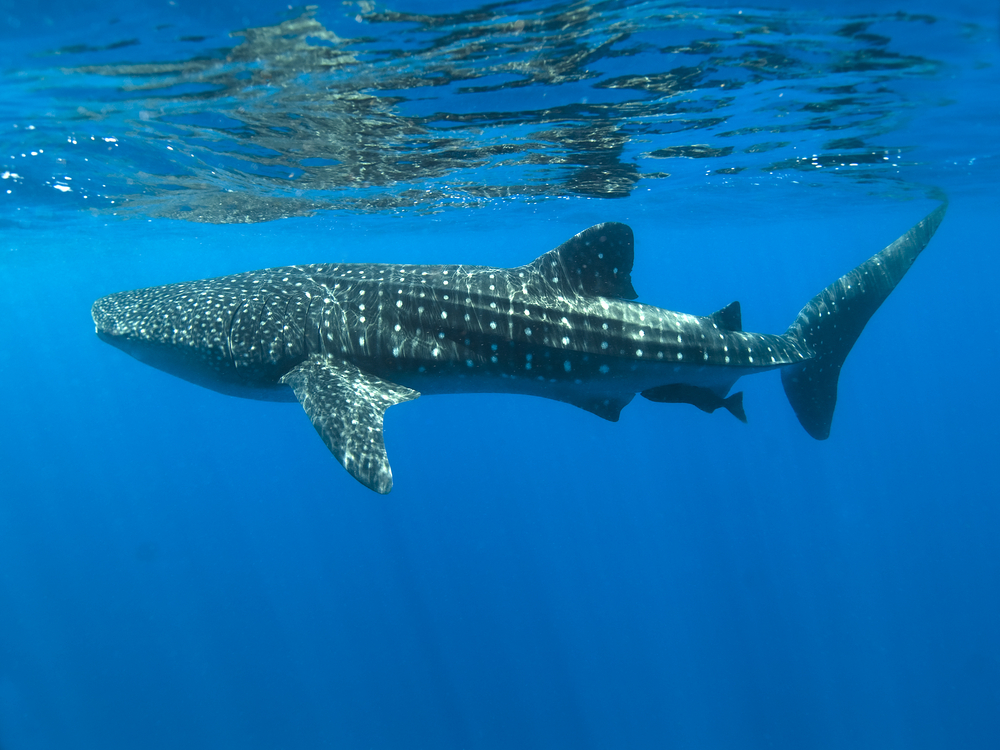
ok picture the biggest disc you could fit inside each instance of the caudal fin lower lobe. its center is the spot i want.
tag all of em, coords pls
(832, 321)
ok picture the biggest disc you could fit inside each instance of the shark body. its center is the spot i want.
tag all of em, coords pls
(349, 340)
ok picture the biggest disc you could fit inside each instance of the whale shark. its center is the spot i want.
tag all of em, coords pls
(347, 341)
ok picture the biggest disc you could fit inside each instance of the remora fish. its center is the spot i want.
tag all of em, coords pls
(350, 340)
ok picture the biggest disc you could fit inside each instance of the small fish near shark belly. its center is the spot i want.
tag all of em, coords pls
(350, 340)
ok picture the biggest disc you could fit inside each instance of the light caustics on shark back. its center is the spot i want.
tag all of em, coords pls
(350, 340)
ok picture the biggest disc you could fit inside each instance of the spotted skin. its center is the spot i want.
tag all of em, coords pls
(349, 340)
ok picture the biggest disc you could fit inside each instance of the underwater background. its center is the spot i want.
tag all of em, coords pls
(180, 568)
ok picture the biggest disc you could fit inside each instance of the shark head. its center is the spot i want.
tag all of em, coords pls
(121, 321)
(116, 324)
(184, 330)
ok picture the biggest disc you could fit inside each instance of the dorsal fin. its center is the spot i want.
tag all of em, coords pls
(596, 262)
(729, 317)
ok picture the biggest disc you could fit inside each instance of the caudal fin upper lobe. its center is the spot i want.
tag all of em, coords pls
(832, 321)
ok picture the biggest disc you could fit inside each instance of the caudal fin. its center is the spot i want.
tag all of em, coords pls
(832, 321)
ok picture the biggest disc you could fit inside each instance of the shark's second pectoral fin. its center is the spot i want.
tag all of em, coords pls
(346, 406)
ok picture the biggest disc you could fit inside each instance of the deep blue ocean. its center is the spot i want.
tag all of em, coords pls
(184, 569)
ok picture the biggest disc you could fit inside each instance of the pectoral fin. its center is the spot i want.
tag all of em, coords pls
(346, 406)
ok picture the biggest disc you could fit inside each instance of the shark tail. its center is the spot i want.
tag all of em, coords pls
(831, 322)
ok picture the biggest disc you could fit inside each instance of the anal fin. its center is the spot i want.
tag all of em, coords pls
(346, 406)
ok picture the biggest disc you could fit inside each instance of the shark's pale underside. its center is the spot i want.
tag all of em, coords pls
(350, 340)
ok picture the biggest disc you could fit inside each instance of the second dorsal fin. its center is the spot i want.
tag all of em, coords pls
(728, 318)
(596, 262)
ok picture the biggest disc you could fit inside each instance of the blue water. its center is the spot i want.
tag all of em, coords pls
(180, 568)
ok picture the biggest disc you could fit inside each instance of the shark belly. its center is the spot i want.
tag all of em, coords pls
(599, 383)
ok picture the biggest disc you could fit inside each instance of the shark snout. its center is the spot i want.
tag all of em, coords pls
(116, 324)
(108, 319)
(104, 319)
